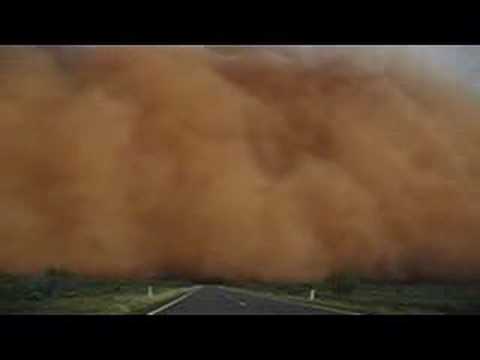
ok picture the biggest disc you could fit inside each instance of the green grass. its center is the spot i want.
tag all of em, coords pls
(62, 293)
(56, 292)
(382, 298)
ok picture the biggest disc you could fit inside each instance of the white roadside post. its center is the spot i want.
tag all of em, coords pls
(312, 294)
(150, 291)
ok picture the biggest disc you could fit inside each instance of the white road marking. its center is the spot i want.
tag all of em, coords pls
(291, 301)
(176, 301)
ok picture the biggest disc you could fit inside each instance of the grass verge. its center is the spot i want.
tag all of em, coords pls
(60, 293)
(371, 297)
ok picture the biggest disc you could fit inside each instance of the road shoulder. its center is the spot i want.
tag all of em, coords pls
(291, 300)
(175, 301)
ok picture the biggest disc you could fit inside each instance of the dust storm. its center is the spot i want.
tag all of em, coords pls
(242, 163)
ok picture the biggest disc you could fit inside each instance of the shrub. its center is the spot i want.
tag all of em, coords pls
(35, 296)
(70, 294)
(49, 282)
(341, 284)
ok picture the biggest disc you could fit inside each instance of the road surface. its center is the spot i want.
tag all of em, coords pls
(217, 300)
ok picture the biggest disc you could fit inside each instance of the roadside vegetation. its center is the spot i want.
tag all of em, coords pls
(59, 292)
(346, 292)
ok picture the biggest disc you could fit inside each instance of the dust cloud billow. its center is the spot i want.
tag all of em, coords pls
(281, 164)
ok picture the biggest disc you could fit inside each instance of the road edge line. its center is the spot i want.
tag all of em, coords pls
(189, 293)
(289, 300)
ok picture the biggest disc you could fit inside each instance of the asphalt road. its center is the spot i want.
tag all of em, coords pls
(214, 300)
